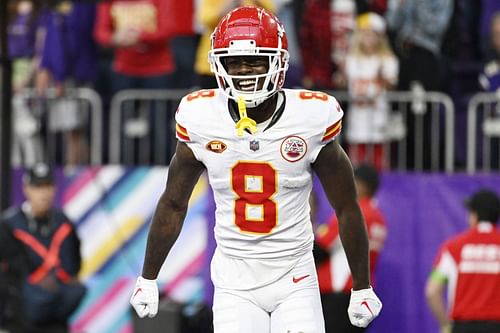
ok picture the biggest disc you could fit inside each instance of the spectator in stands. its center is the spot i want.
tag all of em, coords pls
(23, 28)
(50, 290)
(489, 8)
(418, 27)
(371, 69)
(333, 272)
(139, 32)
(68, 60)
(184, 42)
(489, 79)
(209, 13)
(468, 265)
(324, 37)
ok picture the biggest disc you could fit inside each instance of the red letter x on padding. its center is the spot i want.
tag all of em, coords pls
(50, 257)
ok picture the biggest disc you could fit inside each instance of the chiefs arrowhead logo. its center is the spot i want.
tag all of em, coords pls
(293, 148)
(216, 146)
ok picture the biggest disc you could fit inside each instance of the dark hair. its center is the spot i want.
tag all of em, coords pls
(486, 204)
(369, 176)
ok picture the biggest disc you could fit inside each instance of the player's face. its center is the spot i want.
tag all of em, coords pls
(247, 65)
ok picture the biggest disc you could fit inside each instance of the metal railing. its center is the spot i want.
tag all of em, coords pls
(134, 113)
(483, 123)
(87, 100)
(412, 106)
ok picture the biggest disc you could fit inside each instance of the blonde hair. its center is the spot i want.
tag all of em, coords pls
(383, 47)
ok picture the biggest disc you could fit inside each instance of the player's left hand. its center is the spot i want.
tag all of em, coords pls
(145, 297)
(364, 306)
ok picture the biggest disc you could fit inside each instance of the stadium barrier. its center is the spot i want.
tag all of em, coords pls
(142, 121)
(35, 115)
(420, 128)
(483, 124)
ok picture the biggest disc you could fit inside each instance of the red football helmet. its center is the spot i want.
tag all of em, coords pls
(250, 31)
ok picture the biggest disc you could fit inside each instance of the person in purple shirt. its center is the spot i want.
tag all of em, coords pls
(68, 60)
(23, 35)
(488, 10)
(69, 49)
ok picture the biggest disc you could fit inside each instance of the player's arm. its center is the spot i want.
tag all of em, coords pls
(183, 173)
(434, 293)
(336, 175)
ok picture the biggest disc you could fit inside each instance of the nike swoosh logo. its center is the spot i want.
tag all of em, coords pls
(300, 278)
(367, 306)
(137, 291)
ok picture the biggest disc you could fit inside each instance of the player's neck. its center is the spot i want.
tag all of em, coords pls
(264, 111)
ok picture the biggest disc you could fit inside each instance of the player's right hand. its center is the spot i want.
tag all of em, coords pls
(145, 297)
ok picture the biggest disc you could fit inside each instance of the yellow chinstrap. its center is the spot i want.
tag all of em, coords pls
(244, 122)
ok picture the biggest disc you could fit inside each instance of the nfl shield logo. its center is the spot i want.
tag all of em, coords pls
(254, 145)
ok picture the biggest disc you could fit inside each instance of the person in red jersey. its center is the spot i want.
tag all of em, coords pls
(139, 32)
(469, 265)
(334, 275)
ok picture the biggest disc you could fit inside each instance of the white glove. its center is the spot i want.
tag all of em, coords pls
(364, 306)
(145, 297)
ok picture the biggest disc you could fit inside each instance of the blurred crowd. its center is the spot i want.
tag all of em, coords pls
(364, 47)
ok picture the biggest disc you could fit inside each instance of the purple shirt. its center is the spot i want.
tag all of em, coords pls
(21, 35)
(69, 50)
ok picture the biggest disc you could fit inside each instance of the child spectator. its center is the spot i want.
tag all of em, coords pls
(371, 69)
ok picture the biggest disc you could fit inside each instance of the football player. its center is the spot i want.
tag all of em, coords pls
(260, 144)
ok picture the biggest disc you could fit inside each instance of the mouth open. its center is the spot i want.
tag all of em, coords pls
(246, 85)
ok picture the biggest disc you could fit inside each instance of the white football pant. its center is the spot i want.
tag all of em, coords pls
(290, 305)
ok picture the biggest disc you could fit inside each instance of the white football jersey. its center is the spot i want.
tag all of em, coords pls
(261, 181)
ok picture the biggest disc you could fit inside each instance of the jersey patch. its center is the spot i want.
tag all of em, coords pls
(293, 148)
(216, 146)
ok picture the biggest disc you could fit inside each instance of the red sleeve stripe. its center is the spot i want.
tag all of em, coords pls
(332, 131)
(332, 127)
(182, 133)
